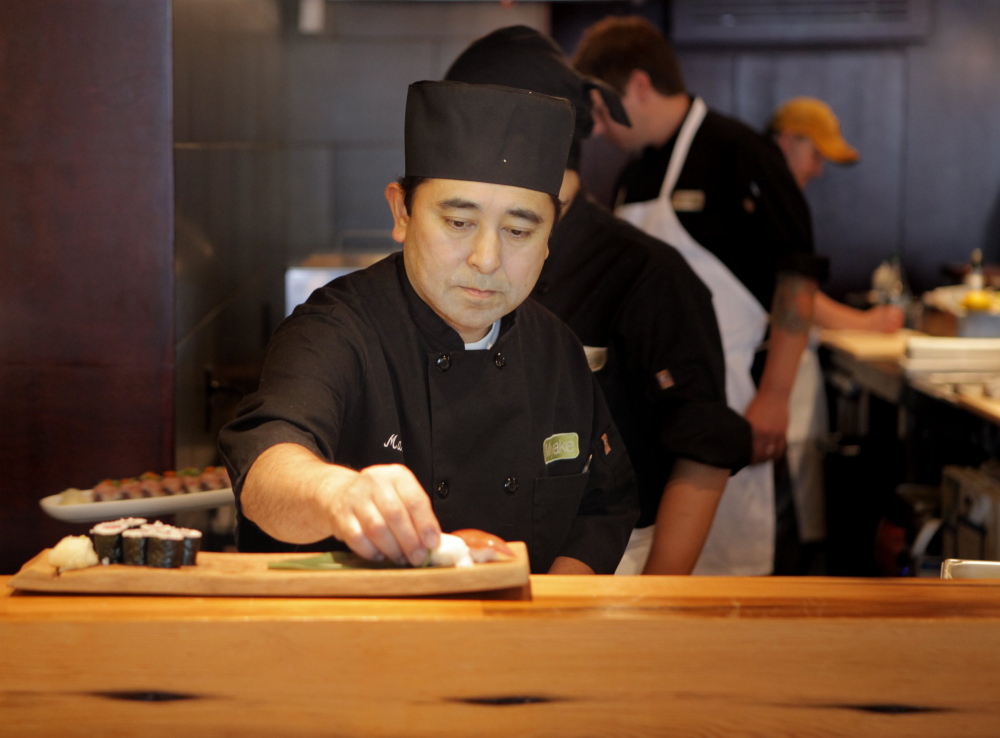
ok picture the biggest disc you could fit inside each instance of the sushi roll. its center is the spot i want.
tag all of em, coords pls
(134, 547)
(151, 485)
(192, 544)
(107, 538)
(213, 477)
(106, 490)
(164, 546)
(171, 484)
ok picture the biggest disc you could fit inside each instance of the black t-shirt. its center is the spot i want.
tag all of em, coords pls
(642, 311)
(516, 440)
(736, 197)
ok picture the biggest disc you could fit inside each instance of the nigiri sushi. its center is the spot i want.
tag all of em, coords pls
(469, 546)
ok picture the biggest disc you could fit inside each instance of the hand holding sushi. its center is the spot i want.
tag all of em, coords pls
(380, 512)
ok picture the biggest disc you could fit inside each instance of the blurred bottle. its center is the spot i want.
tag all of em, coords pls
(974, 279)
(889, 285)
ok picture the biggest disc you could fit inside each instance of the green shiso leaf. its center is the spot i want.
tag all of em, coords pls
(331, 561)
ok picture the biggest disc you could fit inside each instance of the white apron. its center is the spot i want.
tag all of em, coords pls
(741, 540)
(808, 424)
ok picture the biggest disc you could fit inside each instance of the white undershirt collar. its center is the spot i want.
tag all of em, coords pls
(486, 341)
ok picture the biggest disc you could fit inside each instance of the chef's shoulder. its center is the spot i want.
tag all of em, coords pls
(351, 299)
(550, 342)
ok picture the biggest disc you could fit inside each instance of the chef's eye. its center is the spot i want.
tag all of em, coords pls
(457, 224)
(518, 232)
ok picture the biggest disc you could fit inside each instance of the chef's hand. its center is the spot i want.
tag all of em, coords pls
(885, 318)
(767, 414)
(385, 513)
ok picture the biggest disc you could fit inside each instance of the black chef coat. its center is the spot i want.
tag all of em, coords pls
(366, 373)
(664, 374)
(737, 198)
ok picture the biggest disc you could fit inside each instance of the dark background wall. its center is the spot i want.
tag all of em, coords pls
(86, 258)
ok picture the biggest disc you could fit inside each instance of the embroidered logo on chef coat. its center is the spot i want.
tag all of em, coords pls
(665, 379)
(394, 443)
(561, 446)
(688, 201)
(597, 357)
(607, 445)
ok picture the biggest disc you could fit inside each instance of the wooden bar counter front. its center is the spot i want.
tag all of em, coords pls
(585, 656)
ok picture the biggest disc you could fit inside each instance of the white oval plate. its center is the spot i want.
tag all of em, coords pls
(146, 507)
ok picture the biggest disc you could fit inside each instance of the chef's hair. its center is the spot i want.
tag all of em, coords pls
(409, 184)
(613, 48)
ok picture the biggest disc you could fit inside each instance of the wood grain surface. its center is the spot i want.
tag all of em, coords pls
(587, 656)
(239, 574)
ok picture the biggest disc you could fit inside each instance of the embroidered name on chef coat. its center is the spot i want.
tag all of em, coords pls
(561, 446)
(688, 201)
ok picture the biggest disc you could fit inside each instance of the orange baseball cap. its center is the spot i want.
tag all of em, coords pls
(807, 116)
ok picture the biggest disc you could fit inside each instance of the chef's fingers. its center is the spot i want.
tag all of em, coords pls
(378, 531)
(357, 520)
(425, 525)
(394, 510)
(350, 531)
(767, 447)
(395, 513)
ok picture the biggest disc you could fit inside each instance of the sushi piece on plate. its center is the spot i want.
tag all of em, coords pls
(107, 538)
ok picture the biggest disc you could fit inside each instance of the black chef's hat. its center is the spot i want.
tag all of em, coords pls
(487, 133)
(519, 56)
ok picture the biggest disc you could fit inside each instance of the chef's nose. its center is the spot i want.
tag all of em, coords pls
(485, 256)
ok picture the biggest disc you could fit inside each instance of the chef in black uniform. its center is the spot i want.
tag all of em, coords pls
(422, 394)
(645, 319)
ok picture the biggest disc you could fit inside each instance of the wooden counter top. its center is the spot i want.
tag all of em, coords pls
(587, 656)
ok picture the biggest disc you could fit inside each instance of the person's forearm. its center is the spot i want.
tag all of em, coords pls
(285, 491)
(791, 319)
(832, 314)
(685, 516)
(569, 565)
(768, 411)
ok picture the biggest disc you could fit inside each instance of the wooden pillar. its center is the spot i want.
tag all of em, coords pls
(86, 254)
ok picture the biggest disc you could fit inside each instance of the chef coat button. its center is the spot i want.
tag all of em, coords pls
(444, 362)
(499, 360)
(442, 490)
(510, 485)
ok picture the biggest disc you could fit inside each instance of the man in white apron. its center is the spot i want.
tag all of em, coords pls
(808, 134)
(721, 194)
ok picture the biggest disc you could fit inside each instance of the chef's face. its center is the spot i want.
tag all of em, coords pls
(472, 251)
(804, 159)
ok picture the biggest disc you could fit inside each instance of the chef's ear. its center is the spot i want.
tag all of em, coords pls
(396, 198)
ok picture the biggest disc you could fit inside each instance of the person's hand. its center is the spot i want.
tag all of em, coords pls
(885, 318)
(385, 513)
(767, 414)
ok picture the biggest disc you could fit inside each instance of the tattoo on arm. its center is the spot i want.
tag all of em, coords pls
(793, 299)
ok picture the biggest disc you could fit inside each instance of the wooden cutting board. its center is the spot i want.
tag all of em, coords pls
(243, 574)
